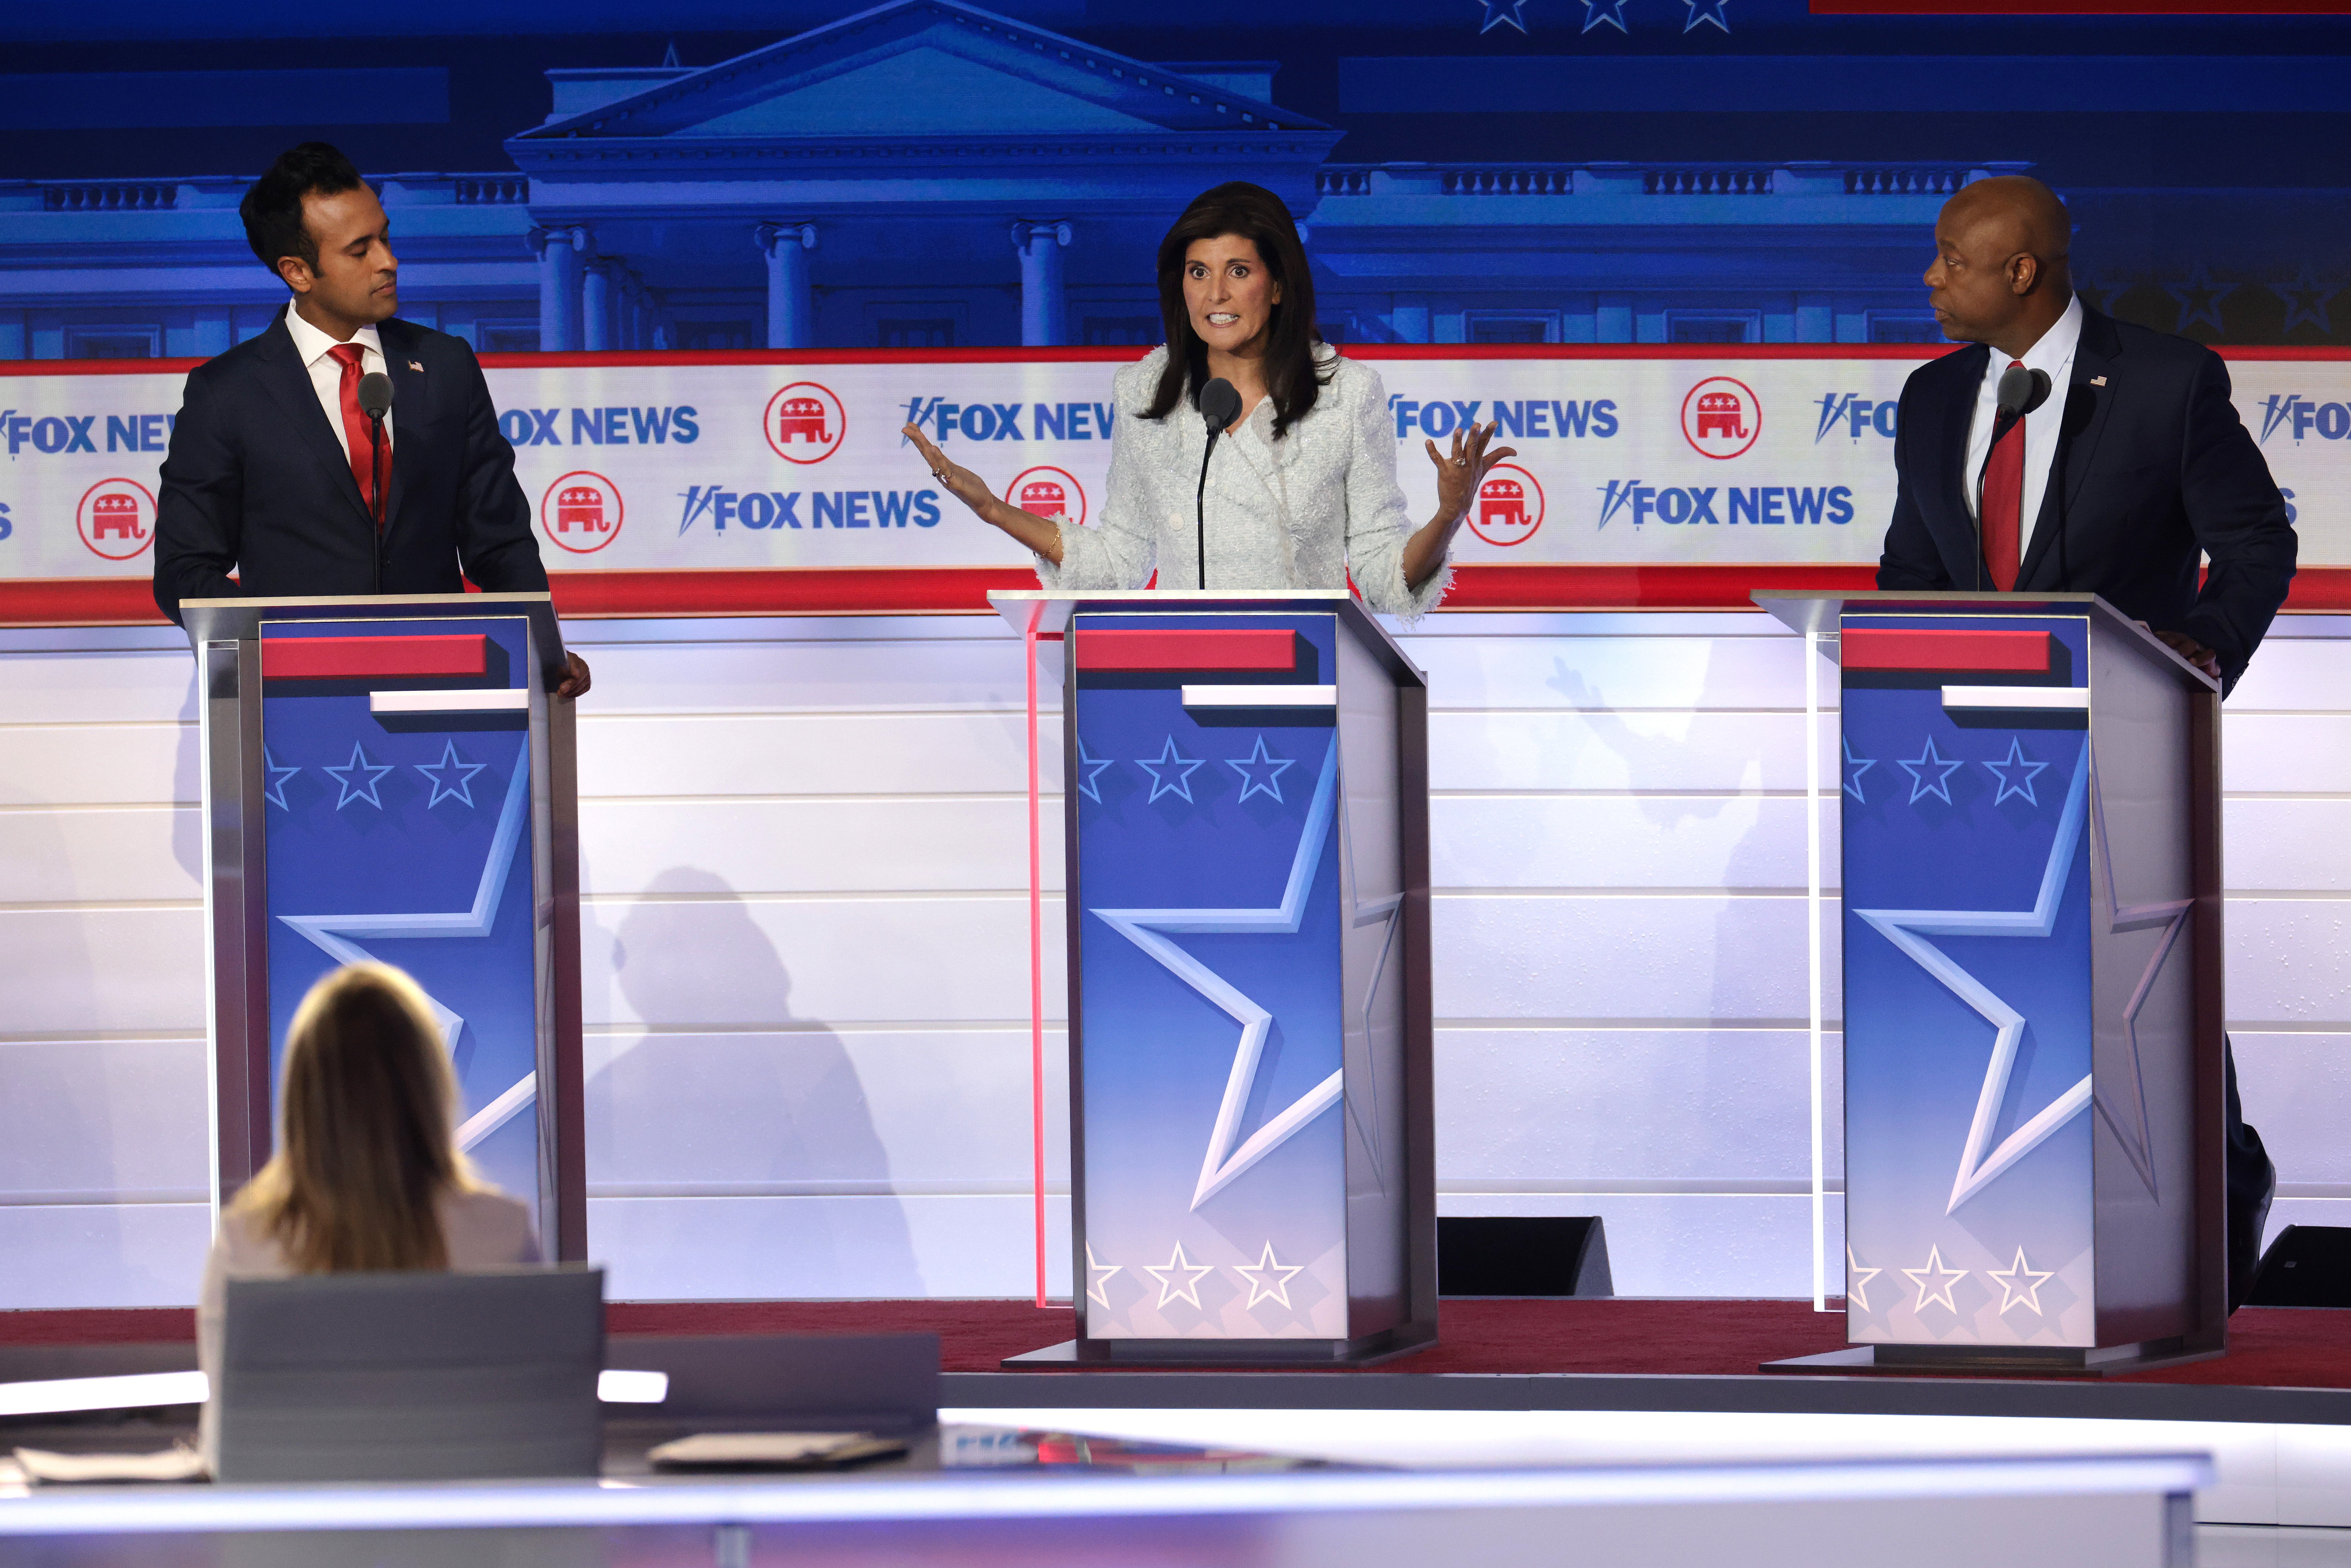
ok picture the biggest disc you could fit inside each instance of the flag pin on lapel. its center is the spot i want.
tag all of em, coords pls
(420, 371)
(2094, 381)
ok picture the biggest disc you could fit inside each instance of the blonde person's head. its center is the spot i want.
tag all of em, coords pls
(366, 1130)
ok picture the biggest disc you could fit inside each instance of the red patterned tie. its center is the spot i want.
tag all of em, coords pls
(2003, 502)
(356, 432)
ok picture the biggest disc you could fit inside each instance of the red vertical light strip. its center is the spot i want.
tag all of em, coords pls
(1036, 955)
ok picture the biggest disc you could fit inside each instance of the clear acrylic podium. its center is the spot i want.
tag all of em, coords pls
(2029, 799)
(1246, 811)
(387, 778)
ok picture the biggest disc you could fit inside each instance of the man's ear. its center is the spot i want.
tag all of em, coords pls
(2023, 273)
(297, 274)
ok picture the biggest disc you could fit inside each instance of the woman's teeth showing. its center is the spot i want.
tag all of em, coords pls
(1221, 317)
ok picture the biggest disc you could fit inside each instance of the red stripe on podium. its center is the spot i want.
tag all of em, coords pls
(2001, 652)
(1184, 651)
(373, 658)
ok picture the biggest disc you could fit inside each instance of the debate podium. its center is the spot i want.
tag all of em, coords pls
(1246, 817)
(2030, 804)
(387, 778)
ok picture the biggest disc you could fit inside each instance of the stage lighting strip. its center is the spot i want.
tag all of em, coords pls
(949, 1497)
(150, 1390)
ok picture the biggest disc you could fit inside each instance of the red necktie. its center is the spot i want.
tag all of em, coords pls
(2003, 502)
(357, 432)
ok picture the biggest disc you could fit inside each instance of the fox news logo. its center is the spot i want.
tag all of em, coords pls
(1855, 415)
(757, 509)
(116, 519)
(1722, 417)
(1758, 505)
(1518, 419)
(1011, 420)
(2293, 412)
(1510, 506)
(804, 423)
(581, 512)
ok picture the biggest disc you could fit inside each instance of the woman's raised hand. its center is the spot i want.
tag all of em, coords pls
(1461, 471)
(960, 482)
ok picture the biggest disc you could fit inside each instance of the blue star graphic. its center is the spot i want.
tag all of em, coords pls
(338, 936)
(1908, 929)
(2023, 786)
(460, 787)
(2306, 302)
(275, 791)
(1161, 785)
(1228, 1155)
(1252, 784)
(1706, 11)
(1611, 12)
(1857, 767)
(363, 790)
(1087, 786)
(2200, 300)
(1501, 12)
(1920, 784)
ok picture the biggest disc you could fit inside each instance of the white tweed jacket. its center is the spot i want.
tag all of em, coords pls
(1306, 511)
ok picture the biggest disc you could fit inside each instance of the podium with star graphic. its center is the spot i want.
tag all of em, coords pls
(2030, 808)
(387, 778)
(1246, 812)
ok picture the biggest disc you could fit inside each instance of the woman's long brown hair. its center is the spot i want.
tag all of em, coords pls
(1292, 378)
(367, 1104)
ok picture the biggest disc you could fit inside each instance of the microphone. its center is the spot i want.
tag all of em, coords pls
(375, 401)
(1219, 404)
(2021, 392)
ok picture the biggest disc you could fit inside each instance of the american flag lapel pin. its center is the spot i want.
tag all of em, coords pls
(2094, 381)
(420, 371)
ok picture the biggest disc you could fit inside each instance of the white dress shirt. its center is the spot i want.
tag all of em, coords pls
(1308, 510)
(326, 372)
(2054, 354)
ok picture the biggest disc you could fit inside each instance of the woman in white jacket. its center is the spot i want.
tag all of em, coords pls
(1302, 491)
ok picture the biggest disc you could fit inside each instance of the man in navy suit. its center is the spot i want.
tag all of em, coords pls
(2136, 467)
(276, 473)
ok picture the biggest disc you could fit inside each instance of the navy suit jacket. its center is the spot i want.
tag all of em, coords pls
(2152, 467)
(256, 484)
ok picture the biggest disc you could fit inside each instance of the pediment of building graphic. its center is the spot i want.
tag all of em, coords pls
(918, 70)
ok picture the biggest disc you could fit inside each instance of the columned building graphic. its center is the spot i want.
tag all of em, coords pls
(929, 175)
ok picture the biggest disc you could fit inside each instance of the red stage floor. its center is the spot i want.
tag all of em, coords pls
(2272, 1347)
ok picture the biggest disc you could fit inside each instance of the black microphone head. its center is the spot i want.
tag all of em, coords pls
(1220, 404)
(375, 394)
(2022, 391)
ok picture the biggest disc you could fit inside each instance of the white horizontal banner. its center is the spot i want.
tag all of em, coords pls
(1621, 459)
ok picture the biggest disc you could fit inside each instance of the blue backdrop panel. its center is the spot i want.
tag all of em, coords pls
(1968, 1009)
(1213, 1020)
(406, 839)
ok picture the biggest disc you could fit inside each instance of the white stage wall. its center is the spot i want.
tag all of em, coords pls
(805, 937)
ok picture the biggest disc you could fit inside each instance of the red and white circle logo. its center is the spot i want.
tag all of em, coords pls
(1049, 493)
(1509, 507)
(116, 519)
(581, 512)
(805, 422)
(1722, 417)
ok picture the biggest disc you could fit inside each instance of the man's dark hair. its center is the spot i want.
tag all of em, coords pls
(1293, 375)
(272, 210)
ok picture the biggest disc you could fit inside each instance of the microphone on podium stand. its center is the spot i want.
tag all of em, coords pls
(2020, 392)
(1219, 405)
(375, 401)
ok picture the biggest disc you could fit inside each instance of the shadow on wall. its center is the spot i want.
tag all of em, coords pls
(749, 1126)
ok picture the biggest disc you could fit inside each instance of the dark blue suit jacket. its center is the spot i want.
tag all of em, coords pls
(256, 484)
(2152, 467)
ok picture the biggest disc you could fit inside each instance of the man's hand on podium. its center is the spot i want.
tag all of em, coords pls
(2189, 649)
(575, 680)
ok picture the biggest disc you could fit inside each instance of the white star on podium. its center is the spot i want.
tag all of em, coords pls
(1857, 1279)
(1098, 1276)
(1269, 1278)
(359, 791)
(2021, 1282)
(1179, 1277)
(1907, 929)
(1943, 1279)
(1143, 927)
